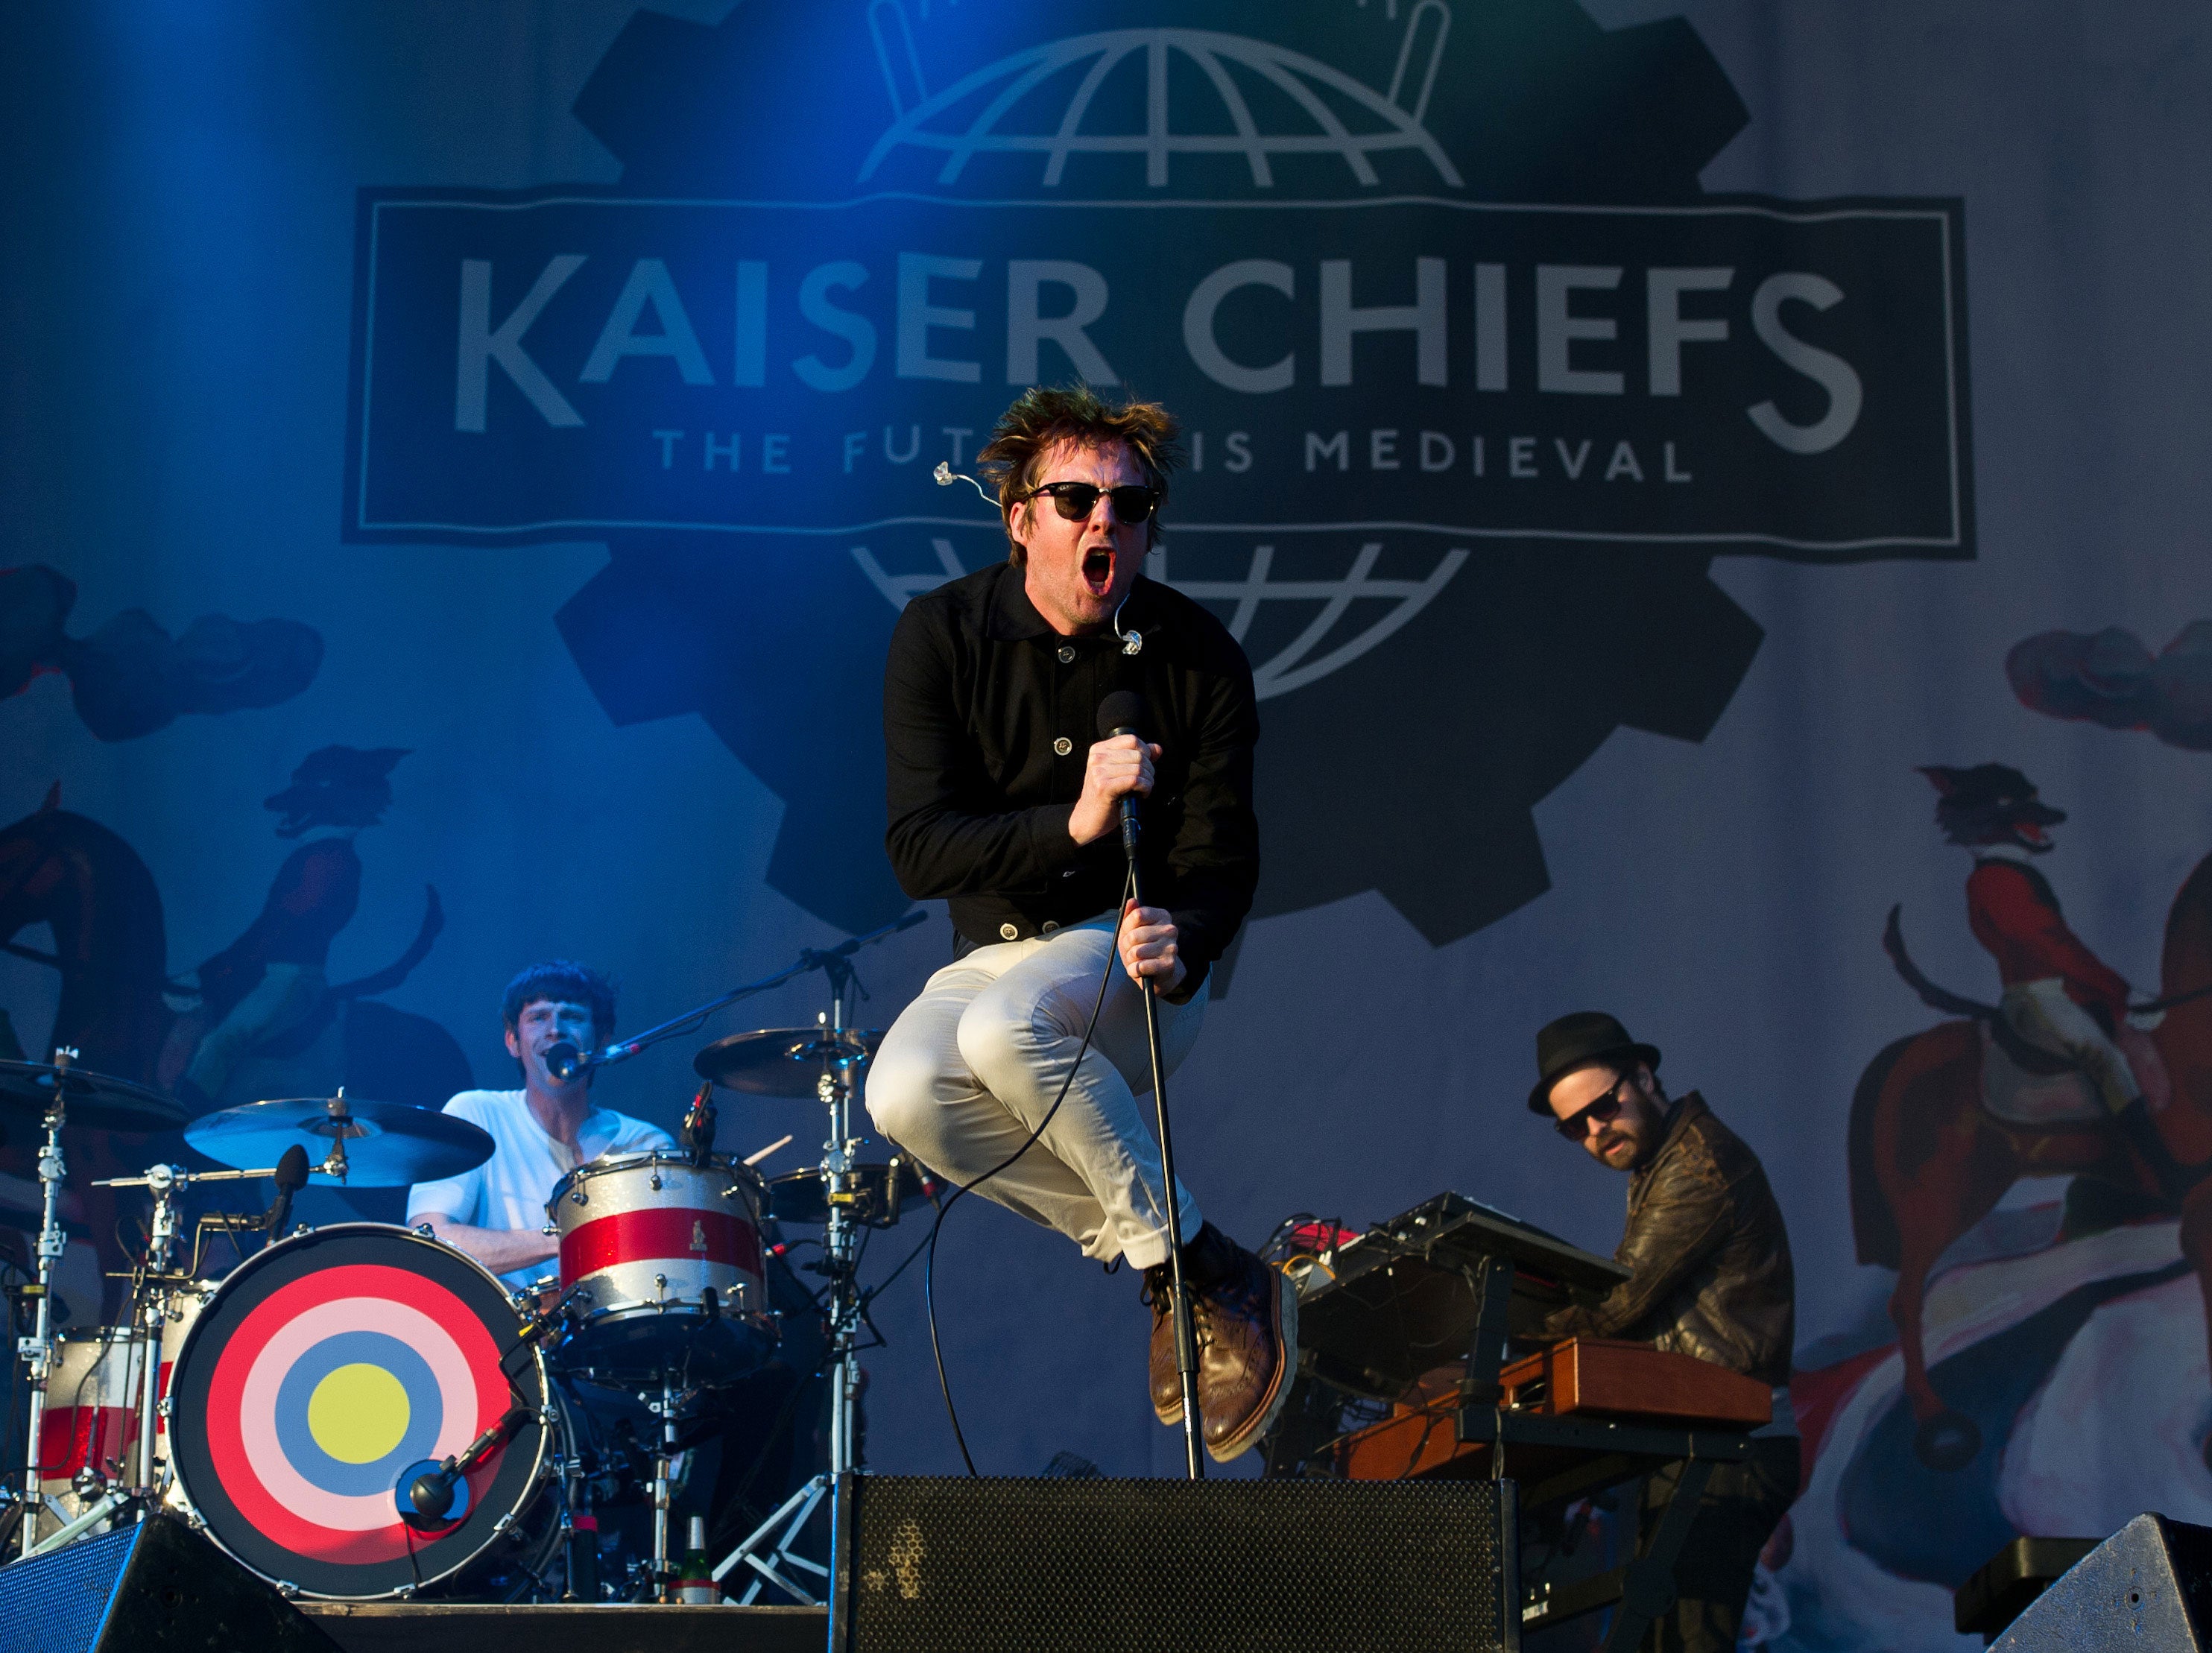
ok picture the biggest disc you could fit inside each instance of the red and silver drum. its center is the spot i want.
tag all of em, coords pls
(322, 1377)
(667, 1255)
(90, 1426)
(93, 1395)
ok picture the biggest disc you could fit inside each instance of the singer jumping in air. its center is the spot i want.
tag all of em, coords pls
(1004, 799)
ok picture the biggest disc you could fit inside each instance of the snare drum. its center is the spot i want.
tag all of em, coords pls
(323, 1376)
(667, 1255)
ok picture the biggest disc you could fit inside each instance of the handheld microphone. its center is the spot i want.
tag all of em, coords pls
(1122, 713)
(291, 1177)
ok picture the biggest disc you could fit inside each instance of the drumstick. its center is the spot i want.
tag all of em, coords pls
(755, 1158)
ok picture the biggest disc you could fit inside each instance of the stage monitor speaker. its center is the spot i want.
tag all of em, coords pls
(2147, 1588)
(923, 1565)
(156, 1588)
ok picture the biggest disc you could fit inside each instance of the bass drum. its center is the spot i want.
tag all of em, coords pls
(322, 1377)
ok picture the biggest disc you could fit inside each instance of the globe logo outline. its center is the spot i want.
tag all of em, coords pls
(1294, 665)
(1302, 80)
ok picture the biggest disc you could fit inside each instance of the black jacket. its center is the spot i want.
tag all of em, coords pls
(988, 714)
(1710, 1257)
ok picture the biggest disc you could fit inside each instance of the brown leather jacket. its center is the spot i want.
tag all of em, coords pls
(1709, 1256)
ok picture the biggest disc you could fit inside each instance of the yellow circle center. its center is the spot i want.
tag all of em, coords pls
(358, 1413)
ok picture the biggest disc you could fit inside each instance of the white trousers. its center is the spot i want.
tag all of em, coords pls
(973, 1064)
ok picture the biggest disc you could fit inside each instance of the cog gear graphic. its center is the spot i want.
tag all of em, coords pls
(1439, 740)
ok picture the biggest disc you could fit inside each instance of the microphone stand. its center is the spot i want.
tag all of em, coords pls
(831, 959)
(1186, 1335)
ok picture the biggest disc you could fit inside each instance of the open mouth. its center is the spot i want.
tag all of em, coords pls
(1098, 571)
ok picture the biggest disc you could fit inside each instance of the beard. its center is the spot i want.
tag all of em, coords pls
(1624, 1144)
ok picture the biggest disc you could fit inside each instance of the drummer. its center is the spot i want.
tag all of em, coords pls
(496, 1212)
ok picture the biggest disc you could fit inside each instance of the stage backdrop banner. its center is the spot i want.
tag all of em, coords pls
(463, 465)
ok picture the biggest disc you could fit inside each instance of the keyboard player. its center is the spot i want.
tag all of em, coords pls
(1710, 1276)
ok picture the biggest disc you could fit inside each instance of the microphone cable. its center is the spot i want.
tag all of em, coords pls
(929, 1258)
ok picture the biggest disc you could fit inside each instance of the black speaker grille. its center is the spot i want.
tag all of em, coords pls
(1157, 1566)
(55, 1603)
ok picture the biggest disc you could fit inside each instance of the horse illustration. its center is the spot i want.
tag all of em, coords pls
(1930, 1157)
(110, 945)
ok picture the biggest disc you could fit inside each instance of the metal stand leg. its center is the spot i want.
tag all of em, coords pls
(663, 1472)
(152, 1311)
(770, 1555)
(1648, 1590)
(1186, 1334)
(38, 1347)
(768, 1550)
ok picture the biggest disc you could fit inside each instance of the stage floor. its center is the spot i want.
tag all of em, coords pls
(393, 1627)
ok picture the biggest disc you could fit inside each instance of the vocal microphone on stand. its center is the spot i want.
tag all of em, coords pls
(564, 1061)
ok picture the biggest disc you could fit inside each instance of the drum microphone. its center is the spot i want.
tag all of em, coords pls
(1122, 713)
(291, 1175)
(431, 1494)
(698, 1131)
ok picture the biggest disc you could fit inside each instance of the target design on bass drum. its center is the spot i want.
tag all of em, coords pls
(326, 1374)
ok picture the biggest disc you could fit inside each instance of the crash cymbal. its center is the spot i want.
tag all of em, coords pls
(784, 1061)
(380, 1145)
(95, 1099)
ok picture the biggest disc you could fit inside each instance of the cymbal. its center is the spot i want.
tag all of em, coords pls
(95, 1099)
(879, 1190)
(784, 1061)
(386, 1144)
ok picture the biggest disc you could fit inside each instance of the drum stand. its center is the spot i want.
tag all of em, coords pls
(150, 1310)
(663, 1476)
(38, 1347)
(768, 1551)
(148, 1288)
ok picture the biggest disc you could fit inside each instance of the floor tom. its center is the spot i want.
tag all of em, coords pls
(89, 1434)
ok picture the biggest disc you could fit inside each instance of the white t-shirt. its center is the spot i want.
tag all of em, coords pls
(510, 1190)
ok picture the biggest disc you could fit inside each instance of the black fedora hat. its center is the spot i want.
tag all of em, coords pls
(1572, 1042)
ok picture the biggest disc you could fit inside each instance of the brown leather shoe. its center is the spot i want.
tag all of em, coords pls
(1247, 1316)
(1166, 1381)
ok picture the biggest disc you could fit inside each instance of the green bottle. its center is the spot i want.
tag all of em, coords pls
(695, 1580)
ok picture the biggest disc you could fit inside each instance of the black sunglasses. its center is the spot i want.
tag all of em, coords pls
(1605, 1109)
(1132, 502)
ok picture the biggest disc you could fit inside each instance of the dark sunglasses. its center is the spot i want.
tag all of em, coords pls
(1133, 503)
(1576, 1125)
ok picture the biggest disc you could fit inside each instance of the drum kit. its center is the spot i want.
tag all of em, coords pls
(360, 1411)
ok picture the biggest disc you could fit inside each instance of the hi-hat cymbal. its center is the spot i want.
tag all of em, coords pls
(387, 1144)
(784, 1061)
(95, 1099)
(878, 1191)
